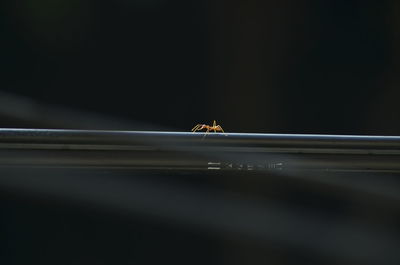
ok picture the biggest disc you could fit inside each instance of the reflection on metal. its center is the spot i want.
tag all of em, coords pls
(185, 151)
(214, 165)
(246, 167)
(331, 197)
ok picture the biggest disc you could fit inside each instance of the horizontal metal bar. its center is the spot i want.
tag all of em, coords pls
(87, 137)
(193, 151)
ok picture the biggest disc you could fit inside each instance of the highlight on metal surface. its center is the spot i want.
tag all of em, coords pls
(205, 184)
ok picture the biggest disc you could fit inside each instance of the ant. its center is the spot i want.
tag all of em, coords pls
(214, 128)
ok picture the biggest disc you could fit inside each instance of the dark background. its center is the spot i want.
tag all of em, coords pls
(254, 66)
(278, 66)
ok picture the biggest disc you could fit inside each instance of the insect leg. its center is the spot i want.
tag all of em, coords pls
(208, 129)
(195, 128)
(219, 127)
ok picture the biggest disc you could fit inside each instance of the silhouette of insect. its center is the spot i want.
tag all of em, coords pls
(214, 127)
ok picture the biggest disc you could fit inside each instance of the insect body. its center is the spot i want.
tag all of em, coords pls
(214, 127)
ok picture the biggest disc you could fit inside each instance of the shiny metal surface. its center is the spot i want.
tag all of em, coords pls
(328, 196)
(185, 150)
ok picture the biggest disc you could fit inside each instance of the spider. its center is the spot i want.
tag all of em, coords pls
(214, 128)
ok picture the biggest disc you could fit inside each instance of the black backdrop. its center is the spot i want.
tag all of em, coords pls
(254, 66)
(280, 66)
